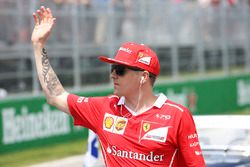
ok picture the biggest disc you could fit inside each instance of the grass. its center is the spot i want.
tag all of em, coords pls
(241, 112)
(37, 155)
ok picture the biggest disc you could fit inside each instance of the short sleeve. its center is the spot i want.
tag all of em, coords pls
(189, 148)
(85, 111)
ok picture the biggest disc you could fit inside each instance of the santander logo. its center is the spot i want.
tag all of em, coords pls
(150, 157)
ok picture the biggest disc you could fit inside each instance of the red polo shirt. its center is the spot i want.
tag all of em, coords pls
(163, 135)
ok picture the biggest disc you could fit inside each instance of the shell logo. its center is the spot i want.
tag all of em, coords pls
(109, 121)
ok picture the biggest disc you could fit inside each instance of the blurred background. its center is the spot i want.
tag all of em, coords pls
(203, 47)
(190, 37)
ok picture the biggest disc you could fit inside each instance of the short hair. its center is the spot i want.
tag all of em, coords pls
(152, 78)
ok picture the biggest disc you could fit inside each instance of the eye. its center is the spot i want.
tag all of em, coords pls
(119, 70)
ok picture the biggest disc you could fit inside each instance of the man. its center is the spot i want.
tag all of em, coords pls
(135, 127)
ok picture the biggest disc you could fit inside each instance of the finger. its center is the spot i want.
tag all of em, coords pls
(52, 21)
(49, 12)
(38, 12)
(43, 14)
(46, 12)
(38, 16)
(50, 16)
(43, 10)
(36, 20)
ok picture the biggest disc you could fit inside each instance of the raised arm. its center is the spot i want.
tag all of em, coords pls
(53, 89)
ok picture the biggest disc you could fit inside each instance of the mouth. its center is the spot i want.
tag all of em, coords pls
(115, 84)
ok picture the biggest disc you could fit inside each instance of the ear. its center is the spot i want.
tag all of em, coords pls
(142, 80)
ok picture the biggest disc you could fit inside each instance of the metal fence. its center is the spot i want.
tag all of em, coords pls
(189, 39)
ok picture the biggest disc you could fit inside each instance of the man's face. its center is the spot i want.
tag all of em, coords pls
(126, 80)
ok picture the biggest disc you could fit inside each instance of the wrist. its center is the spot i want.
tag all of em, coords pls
(38, 45)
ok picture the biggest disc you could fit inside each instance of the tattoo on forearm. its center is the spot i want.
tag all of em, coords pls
(45, 64)
(49, 77)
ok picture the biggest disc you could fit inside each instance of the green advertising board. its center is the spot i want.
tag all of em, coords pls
(210, 96)
(29, 122)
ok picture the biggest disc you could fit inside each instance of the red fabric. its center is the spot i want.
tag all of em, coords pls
(164, 136)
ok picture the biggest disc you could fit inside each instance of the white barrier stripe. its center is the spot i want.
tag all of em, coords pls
(70, 161)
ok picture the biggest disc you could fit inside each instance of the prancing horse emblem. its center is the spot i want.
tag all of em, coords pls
(146, 127)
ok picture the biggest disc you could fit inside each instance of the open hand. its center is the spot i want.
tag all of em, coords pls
(44, 22)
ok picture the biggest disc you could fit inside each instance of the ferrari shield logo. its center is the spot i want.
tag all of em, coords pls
(153, 131)
(140, 54)
(146, 127)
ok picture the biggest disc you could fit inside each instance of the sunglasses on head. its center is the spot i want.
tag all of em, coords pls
(121, 70)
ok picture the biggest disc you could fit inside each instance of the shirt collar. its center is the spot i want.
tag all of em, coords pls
(121, 101)
(160, 100)
(158, 103)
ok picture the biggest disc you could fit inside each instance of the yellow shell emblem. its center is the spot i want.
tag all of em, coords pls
(109, 121)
